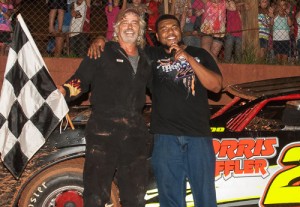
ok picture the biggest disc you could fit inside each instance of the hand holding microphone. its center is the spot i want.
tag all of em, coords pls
(177, 52)
(173, 52)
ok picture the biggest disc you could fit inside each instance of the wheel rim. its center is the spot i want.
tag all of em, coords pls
(69, 199)
(68, 196)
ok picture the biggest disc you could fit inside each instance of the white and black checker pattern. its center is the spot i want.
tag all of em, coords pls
(31, 105)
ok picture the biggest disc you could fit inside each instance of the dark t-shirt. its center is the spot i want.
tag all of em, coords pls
(180, 104)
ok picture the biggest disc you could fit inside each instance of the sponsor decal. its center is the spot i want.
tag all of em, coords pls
(247, 173)
(217, 129)
(244, 157)
(37, 194)
(284, 186)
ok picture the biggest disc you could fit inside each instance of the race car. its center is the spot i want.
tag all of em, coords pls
(256, 142)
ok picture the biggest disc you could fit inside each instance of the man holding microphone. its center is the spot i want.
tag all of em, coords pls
(183, 148)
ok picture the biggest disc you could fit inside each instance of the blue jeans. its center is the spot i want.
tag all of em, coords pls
(176, 159)
(232, 45)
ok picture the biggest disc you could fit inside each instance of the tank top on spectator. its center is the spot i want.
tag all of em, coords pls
(281, 29)
(77, 23)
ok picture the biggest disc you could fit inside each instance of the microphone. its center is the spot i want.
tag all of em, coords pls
(173, 52)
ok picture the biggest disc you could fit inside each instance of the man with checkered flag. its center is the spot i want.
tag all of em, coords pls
(31, 105)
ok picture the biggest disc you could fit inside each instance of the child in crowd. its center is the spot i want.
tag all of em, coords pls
(138, 5)
(111, 10)
(233, 38)
(187, 26)
(60, 39)
(178, 7)
(265, 15)
(6, 10)
(213, 24)
(183, 10)
(198, 9)
(57, 7)
(79, 27)
(56, 43)
(281, 32)
(154, 13)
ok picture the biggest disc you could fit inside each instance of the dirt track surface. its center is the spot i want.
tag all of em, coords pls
(9, 186)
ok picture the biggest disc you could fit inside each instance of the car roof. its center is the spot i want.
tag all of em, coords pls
(266, 88)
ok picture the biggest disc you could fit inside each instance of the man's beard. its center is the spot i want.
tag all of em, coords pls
(129, 39)
(166, 47)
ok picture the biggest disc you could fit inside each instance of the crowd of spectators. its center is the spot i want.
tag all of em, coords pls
(278, 30)
(218, 26)
(215, 25)
(6, 10)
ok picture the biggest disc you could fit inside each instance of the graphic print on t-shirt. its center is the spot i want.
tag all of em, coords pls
(178, 70)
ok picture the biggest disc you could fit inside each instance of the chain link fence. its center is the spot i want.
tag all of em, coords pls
(66, 28)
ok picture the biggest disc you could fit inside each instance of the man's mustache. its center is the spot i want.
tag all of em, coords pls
(129, 30)
(168, 47)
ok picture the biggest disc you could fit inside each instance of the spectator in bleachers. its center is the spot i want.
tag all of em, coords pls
(233, 38)
(154, 13)
(111, 10)
(213, 24)
(198, 9)
(281, 32)
(6, 10)
(79, 27)
(178, 7)
(16, 10)
(56, 43)
(265, 15)
(57, 7)
(138, 5)
(187, 23)
(16, 3)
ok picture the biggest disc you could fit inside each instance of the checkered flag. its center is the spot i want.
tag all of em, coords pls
(31, 105)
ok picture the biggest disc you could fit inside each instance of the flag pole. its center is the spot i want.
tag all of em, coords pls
(70, 121)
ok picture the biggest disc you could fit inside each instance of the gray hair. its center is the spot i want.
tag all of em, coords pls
(141, 42)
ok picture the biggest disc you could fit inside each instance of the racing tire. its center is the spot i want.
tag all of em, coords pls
(60, 185)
